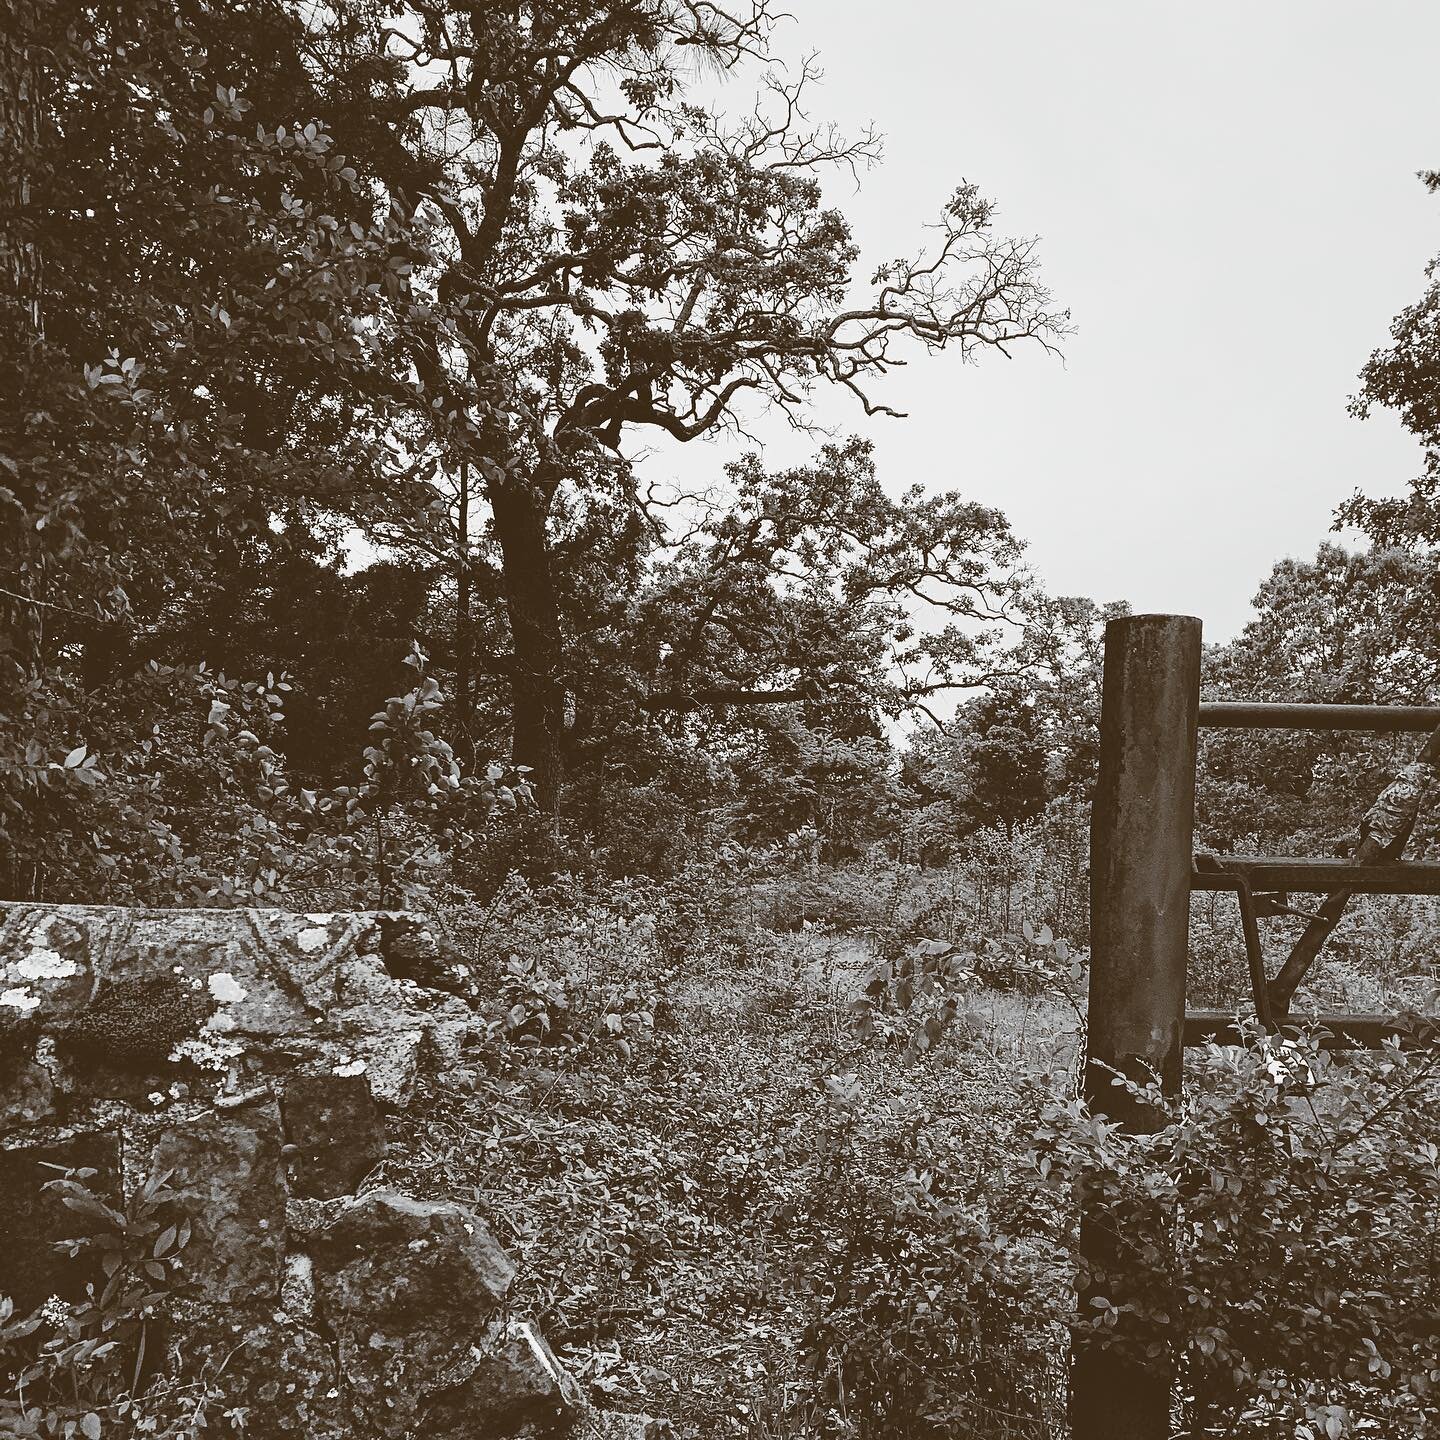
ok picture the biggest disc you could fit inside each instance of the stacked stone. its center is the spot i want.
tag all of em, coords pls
(252, 1055)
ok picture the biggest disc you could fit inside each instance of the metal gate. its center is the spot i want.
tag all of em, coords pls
(1143, 870)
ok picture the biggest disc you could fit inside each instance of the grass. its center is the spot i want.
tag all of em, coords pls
(662, 1207)
(652, 1205)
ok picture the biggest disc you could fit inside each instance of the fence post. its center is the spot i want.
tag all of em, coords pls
(1141, 840)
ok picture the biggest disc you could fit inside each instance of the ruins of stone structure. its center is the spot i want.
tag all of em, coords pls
(253, 1055)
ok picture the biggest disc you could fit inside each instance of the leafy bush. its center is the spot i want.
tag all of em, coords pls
(1381, 957)
(832, 898)
(198, 806)
(934, 1306)
(997, 875)
(1280, 1231)
(1394, 937)
(916, 997)
(89, 1369)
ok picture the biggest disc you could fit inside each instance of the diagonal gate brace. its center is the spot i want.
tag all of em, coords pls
(1383, 836)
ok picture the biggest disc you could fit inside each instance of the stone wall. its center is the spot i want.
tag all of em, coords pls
(253, 1055)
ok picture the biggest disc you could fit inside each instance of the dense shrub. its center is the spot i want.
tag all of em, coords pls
(832, 898)
(934, 1315)
(1281, 1229)
(999, 876)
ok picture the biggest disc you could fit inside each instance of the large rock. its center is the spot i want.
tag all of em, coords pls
(242, 993)
(335, 1134)
(405, 1287)
(226, 1169)
(516, 1388)
(30, 1079)
(243, 1054)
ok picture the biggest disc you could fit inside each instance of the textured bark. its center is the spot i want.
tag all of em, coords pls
(537, 697)
(464, 626)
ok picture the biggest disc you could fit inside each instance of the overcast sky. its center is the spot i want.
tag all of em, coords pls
(1227, 203)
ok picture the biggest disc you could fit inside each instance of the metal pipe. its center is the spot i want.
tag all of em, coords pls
(1285, 873)
(1384, 833)
(1244, 715)
(1346, 1032)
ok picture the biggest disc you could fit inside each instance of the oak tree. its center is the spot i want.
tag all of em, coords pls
(608, 256)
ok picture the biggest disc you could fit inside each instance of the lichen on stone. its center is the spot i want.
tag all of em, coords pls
(225, 989)
(43, 964)
(19, 998)
(208, 1051)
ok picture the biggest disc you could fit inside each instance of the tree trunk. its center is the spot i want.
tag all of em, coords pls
(464, 628)
(537, 700)
(21, 80)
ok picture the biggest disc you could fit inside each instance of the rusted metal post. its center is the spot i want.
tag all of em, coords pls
(1142, 834)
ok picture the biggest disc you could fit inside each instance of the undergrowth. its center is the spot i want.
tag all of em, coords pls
(808, 1183)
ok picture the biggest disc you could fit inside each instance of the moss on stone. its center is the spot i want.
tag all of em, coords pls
(134, 1024)
(18, 1034)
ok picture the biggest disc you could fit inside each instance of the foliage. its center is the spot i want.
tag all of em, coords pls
(813, 584)
(198, 806)
(1346, 627)
(989, 767)
(734, 969)
(687, 1192)
(914, 997)
(821, 782)
(1279, 1234)
(391, 829)
(247, 347)
(89, 1369)
(840, 898)
(168, 796)
(340, 639)
(1028, 745)
(1402, 378)
(998, 876)
(931, 1318)
(604, 253)
(179, 384)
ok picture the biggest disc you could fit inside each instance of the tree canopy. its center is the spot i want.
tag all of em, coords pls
(283, 282)
(606, 254)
